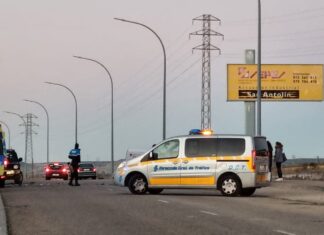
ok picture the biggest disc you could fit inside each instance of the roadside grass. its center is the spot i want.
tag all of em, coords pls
(306, 171)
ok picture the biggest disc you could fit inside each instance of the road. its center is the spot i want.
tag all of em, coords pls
(99, 207)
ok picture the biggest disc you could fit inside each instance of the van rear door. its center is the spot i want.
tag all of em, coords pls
(261, 160)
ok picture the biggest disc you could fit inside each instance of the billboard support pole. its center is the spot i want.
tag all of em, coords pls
(249, 105)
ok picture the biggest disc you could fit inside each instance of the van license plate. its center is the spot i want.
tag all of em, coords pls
(56, 174)
(10, 172)
(263, 168)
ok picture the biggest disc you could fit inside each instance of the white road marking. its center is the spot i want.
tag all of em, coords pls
(209, 213)
(163, 201)
(284, 232)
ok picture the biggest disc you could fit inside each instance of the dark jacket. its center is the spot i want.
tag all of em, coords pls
(75, 157)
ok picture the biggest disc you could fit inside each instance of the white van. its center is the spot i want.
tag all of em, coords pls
(233, 164)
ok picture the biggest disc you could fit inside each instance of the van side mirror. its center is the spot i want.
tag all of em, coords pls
(153, 156)
(20, 159)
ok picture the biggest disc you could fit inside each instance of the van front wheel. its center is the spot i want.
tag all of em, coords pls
(137, 184)
(19, 179)
(230, 186)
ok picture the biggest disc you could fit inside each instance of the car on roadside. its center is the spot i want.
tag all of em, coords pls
(57, 170)
(87, 170)
(12, 168)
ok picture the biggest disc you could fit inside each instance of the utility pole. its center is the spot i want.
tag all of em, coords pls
(250, 105)
(206, 47)
(29, 138)
(47, 116)
(259, 92)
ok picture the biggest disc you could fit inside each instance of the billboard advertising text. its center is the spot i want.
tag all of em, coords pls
(287, 82)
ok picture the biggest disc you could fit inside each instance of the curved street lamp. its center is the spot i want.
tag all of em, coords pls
(112, 106)
(32, 101)
(9, 146)
(164, 75)
(76, 107)
(25, 124)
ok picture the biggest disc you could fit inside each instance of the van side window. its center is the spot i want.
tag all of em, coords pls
(169, 149)
(230, 146)
(201, 147)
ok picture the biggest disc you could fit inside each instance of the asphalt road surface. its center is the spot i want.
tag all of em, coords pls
(99, 207)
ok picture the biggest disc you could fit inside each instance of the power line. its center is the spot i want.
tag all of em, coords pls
(156, 92)
(278, 18)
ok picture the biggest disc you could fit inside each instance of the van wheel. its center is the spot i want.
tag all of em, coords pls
(246, 192)
(155, 190)
(19, 179)
(137, 184)
(2, 183)
(230, 186)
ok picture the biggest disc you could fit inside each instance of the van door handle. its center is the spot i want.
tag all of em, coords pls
(175, 163)
(185, 161)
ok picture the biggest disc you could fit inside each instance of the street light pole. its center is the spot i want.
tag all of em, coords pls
(112, 106)
(259, 93)
(32, 101)
(164, 74)
(25, 124)
(9, 146)
(76, 107)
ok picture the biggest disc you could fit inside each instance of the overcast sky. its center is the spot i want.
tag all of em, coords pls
(39, 37)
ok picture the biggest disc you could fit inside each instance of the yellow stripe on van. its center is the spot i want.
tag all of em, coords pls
(1, 170)
(210, 180)
(132, 165)
(198, 180)
(164, 181)
(249, 165)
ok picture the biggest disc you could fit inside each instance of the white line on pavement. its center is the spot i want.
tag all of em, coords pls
(284, 232)
(209, 213)
(163, 201)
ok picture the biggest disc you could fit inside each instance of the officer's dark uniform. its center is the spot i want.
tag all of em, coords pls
(75, 160)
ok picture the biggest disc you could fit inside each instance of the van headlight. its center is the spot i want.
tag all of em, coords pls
(121, 165)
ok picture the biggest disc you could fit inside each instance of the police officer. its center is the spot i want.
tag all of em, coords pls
(75, 160)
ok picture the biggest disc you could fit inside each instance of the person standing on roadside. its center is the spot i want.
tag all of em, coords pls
(270, 149)
(75, 160)
(279, 157)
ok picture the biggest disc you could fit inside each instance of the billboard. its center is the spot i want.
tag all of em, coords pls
(280, 82)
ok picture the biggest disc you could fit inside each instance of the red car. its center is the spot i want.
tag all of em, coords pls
(57, 170)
